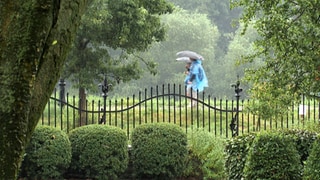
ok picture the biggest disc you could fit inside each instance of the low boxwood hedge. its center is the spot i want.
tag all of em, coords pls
(48, 155)
(98, 152)
(206, 155)
(303, 140)
(236, 150)
(273, 155)
(159, 151)
(312, 166)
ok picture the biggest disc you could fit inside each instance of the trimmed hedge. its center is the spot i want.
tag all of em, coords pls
(303, 139)
(273, 156)
(98, 151)
(159, 151)
(48, 155)
(236, 151)
(206, 155)
(312, 166)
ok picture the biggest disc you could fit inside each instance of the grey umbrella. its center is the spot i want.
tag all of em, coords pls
(184, 59)
(190, 54)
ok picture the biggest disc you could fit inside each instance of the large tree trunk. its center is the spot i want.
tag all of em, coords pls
(35, 37)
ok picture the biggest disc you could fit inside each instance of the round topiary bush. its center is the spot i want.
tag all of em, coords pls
(273, 156)
(159, 150)
(48, 155)
(312, 166)
(98, 152)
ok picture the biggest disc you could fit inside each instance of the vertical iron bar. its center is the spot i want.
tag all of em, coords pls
(174, 103)
(180, 108)
(157, 93)
(139, 107)
(145, 106)
(215, 115)
(134, 112)
(55, 108)
(61, 116)
(209, 113)
(92, 112)
(185, 107)
(169, 114)
(314, 109)
(110, 115)
(74, 112)
(203, 118)
(151, 95)
(68, 122)
(221, 123)
(116, 113)
(227, 132)
(86, 110)
(191, 108)
(163, 114)
(80, 114)
(197, 104)
(121, 105)
(128, 120)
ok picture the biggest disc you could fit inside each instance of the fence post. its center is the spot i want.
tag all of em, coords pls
(234, 126)
(62, 98)
(105, 89)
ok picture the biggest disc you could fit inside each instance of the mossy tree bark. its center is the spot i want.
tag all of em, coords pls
(35, 37)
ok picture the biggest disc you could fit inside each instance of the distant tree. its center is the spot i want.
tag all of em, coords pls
(289, 46)
(240, 46)
(35, 37)
(109, 32)
(185, 31)
(220, 14)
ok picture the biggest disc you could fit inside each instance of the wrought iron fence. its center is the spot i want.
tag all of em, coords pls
(169, 103)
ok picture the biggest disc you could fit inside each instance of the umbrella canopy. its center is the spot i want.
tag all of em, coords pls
(184, 59)
(190, 54)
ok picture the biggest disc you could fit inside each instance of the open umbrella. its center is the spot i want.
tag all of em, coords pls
(190, 54)
(184, 59)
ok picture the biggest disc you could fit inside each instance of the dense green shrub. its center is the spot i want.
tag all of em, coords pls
(48, 155)
(303, 140)
(273, 156)
(313, 126)
(206, 155)
(312, 166)
(236, 150)
(98, 151)
(159, 151)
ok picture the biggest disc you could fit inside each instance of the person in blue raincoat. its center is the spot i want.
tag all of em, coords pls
(196, 80)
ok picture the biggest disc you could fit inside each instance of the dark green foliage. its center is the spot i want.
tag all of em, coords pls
(288, 45)
(98, 151)
(236, 154)
(206, 155)
(312, 166)
(159, 151)
(303, 139)
(273, 156)
(48, 154)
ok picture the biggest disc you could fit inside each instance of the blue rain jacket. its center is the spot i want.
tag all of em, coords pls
(200, 81)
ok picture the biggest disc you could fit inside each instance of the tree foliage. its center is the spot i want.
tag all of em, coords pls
(220, 15)
(185, 31)
(289, 46)
(110, 31)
